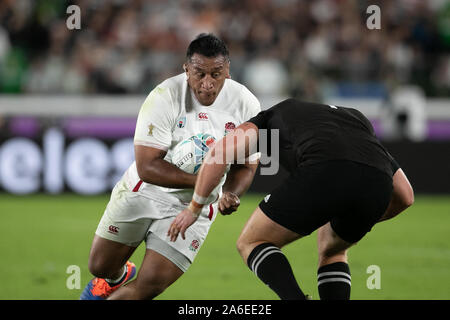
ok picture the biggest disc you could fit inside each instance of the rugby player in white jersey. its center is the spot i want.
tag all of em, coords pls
(153, 191)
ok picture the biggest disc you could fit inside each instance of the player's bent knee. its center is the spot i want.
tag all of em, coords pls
(100, 268)
(96, 269)
(240, 246)
(244, 247)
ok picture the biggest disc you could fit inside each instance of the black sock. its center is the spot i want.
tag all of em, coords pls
(271, 266)
(334, 281)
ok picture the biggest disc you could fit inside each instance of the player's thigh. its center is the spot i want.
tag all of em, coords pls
(181, 252)
(107, 256)
(121, 229)
(115, 241)
(259, 229)
(166, 261)
(156, 273)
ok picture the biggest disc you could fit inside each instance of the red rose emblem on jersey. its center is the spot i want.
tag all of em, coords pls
(194, 245)
(229, 126)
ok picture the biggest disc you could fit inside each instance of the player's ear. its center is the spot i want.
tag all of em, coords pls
(185, 68)
(227, 74)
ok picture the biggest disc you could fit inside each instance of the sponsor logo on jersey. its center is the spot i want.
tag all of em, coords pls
(195, 244)
(229, 126)
(181, 122)
(113, 229)
(202, 116)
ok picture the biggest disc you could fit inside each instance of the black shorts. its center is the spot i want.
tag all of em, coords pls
(349, 195)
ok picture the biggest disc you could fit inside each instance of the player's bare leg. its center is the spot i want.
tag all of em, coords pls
(108, 263)
(259, 246)
(333, 275)
(259, 229)
(155, 275)
(107, 258)
(331, 247)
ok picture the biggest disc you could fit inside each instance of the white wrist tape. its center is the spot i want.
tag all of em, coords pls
(199, 199)
(195, 210)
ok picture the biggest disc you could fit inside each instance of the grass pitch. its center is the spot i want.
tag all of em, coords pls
(41, 236)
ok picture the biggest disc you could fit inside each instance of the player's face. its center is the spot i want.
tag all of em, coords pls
(206, 76)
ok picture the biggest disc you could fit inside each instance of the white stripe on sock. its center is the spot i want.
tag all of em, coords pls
(259, 255)
(116, 281)
(263, 257)
(334, 280)
(334, 273)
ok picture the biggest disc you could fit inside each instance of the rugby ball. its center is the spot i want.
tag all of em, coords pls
(188, 154)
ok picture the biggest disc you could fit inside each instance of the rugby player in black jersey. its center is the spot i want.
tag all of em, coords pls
(342, 182)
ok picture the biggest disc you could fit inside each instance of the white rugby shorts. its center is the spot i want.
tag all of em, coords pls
(130, 218)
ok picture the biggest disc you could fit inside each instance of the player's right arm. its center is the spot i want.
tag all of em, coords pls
(402, 195)
(152, 168)
(152, 139)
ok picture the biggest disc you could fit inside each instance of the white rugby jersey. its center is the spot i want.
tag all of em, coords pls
(171, 113)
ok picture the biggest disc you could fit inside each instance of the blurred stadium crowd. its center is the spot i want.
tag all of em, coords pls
(306, 49)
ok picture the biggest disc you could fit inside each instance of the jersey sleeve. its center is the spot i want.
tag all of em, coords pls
(251, 104)
(259, 120)
(155, 120)
(251, 107)
(394, 164)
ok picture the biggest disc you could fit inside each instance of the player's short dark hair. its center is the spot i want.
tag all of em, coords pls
(207, 45)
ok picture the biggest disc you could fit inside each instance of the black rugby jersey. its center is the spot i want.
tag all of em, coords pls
(311, 133)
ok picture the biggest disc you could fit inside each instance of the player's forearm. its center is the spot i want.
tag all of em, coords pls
(393, 209)
(225, 151)
(239, 178)
(162, 173)
(208, 178)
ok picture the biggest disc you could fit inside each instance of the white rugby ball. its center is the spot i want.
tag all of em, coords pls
(188, 154)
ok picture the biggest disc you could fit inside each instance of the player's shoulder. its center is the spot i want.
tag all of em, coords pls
(162, 100)
(170, 90)
(174, 82)
(236, 90)
(232, 84)
(173, 86)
